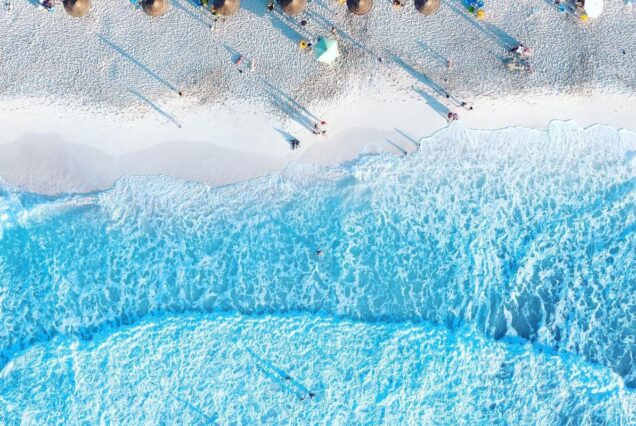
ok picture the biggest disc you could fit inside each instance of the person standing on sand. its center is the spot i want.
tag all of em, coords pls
(318, 128)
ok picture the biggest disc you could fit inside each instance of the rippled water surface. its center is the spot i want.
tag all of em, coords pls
(512, 235)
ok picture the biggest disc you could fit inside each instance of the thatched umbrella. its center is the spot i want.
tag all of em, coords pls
(359, 7)
(77, 8)
(225, 7)
(427, 7)
(154, 7)
(293, 7)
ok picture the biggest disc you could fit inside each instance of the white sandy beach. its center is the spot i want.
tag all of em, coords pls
(85, 101)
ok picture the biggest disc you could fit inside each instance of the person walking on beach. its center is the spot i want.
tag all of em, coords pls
(452, 116)
(318, 130)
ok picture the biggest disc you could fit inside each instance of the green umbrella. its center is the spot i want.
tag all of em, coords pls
(326, 50)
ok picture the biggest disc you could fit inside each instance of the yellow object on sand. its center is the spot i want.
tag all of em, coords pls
(302, 44)
(481, 14)
(584, 17)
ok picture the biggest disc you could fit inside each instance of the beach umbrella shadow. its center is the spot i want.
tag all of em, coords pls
(257, 7)
(155, 107)
(283, 26)
(493, 32)
(197, 16)
(35, 3)
(136, 62)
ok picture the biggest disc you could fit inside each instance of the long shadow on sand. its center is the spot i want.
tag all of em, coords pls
(155, 107)
(407, 137)
(402, 151)
(495, 33)
(441, 59)
(234, 54)
(291, 107)
(431, 101)
(568, 6)
(34, 3)
(423, 78)
(287, 136)
(199, 15)
(284, 25)
(144, 68)
(257, 7)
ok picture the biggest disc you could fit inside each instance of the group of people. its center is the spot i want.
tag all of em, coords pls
(318, 129)
(519, 59)
(47, 4)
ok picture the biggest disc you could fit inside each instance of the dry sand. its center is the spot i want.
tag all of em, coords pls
(85, 101)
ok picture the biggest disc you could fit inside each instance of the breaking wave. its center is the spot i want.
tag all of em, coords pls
(514, 233)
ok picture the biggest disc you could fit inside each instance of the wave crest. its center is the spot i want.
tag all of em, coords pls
(514, 232)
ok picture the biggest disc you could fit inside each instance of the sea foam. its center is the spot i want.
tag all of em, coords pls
(301, 369)
(514, 233)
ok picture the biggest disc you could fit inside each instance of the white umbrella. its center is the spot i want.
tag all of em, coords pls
(593, 8)
(326, 50)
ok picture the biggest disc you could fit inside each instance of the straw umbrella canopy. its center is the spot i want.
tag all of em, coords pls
(359, 7)
(225, 7)
(77, 8)
(427, 7)
(293, 7)
(154, 7)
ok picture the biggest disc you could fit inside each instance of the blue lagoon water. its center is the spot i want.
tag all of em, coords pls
(488, 278)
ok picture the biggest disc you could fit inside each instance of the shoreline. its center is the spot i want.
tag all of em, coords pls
(77, 151)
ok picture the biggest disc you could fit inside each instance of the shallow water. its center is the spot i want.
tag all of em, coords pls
(516, 233)
(232, 369)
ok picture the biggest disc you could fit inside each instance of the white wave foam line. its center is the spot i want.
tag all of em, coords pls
(515, 232)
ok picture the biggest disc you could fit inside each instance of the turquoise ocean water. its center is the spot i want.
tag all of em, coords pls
(490, 277)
